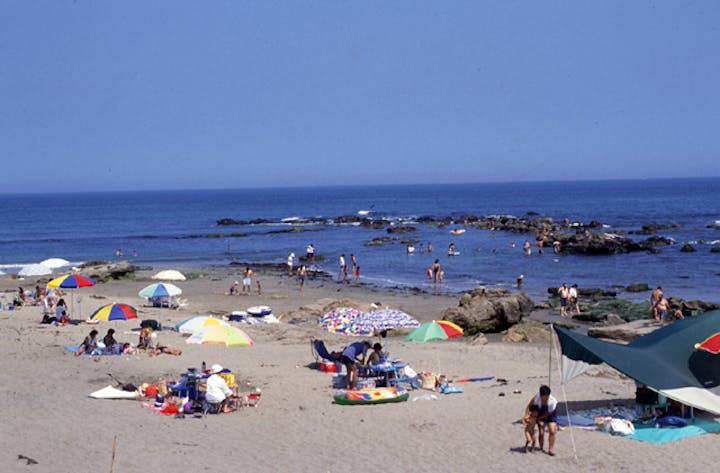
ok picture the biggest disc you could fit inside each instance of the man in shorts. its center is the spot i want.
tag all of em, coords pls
(563, 293)
(349, 358)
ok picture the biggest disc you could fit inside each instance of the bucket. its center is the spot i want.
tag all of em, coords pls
(328, 367)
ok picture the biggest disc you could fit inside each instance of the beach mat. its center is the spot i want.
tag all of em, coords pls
(651, 434)
(74, 348)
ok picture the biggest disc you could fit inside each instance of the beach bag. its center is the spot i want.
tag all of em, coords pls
(621, 427)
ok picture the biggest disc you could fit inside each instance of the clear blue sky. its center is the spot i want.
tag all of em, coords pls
(100, 95)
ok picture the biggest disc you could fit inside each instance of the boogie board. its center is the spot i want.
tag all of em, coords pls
(371, 396)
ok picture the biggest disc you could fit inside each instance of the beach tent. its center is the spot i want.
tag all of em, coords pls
(670, 360)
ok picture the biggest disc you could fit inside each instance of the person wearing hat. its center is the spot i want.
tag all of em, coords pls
(217, 391)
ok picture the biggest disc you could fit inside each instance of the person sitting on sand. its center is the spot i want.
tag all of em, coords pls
(529, 422)
(547, 416)
(89, 344)
(376, 356)
(62, 316)
(235, 288)
(145, 340)
(111, 345)
(217, 391)
(349, 358)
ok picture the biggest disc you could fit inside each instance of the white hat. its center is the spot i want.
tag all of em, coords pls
(214, 369)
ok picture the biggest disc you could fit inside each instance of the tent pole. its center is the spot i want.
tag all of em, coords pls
(550, 347)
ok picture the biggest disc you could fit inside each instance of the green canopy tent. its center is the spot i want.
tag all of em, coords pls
(665, 360)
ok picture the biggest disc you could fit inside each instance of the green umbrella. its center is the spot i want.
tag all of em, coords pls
(427, 332)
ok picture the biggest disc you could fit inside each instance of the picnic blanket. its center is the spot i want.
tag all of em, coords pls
(651, 434)
(74, 348)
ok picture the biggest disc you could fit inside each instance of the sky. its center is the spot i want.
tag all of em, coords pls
(174, 94)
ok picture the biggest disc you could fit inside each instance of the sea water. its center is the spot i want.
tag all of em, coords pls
(179, 229)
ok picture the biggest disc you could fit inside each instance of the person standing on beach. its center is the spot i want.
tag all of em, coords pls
(563, 292)
(547, 416)
(573, 299)
(247, 280)
(301, 274)
(343, 268)
(310, 253)
(436, 271)
(349, 358)
(655, 297)
(353, 263)
(290, 263)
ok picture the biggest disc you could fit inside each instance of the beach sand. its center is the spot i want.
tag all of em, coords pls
(48, 416)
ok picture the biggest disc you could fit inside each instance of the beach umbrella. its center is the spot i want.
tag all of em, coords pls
(386, 319)
(160, 289)
(198, 322)
(339, 320)
(221, 335)
(451, 329)
(71, 281)
(114, 312)
(170, 275)
(54, 263)
(35, 269)
(427, 332)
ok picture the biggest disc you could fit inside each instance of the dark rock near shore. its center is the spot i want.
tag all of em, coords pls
(639, 287)
(103, 271)
(625, 332)
(688, 248)
(489, 310)
(401, 229)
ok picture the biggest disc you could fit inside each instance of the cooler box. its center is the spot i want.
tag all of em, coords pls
(328, 366)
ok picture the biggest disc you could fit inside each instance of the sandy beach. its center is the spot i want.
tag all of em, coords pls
(49, 417)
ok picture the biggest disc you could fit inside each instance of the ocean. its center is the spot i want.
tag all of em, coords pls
(179, 229)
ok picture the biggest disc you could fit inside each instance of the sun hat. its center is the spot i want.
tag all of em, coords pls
(214, 369)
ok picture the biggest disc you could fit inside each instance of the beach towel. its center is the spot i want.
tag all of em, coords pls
(651, 434)
(74, 348)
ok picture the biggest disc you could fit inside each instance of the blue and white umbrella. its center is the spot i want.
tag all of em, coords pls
(160, 290)
(386, 319)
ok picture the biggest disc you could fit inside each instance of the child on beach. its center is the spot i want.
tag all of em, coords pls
(529, 422)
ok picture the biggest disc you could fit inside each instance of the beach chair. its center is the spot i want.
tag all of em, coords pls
(319, 351)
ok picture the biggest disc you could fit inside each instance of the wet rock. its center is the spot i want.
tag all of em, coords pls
(102, 271)
(639, 287)
(401, 229)
(625, 332)
(688, 248)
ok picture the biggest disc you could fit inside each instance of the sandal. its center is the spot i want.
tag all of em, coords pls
(552, 454)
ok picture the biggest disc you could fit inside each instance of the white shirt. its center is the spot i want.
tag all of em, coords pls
(217, 389)
(573, 293)
(342, 261)
(551, 404)
(291, 259)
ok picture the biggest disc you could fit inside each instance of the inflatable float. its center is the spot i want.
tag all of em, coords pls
(458, 231)
(371, 396)
(259, 311)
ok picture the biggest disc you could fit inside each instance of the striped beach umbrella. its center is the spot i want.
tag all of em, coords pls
(198, 322)
(221, 335)
(114, 312)
(71, 281)
(160, 289)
